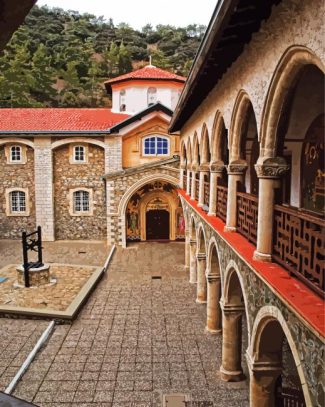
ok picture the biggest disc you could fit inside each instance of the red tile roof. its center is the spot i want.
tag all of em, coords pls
(60, 119)
(148, 72)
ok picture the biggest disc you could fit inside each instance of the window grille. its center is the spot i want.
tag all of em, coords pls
(17, 201)
(156, 146)
(81, 201)
(79, 154)
(15, 153)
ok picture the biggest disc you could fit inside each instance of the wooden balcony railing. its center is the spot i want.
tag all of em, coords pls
(184, 182)
(197, 188)
(206, 193)
(221, 202)
(247, 207)
(299, 245)
(289, 398)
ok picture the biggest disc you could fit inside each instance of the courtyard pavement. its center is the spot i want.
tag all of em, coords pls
(135, 339)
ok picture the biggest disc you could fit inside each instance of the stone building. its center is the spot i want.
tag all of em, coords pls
(251, 120)
(95, 174)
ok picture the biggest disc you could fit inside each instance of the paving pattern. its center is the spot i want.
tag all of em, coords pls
(136, 339)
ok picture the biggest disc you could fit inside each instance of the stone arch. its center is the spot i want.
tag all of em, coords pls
(234, 306)
(201, 292)
(201, 239)
(195, 150)
(189, 151)
(216, 138)
(239, 114)
(70, 140)
(205, 151)
(172, 203)
(183, 153)
(261, 349)
(213, 252)
(192, 228)
(293, 59)
(18, 140)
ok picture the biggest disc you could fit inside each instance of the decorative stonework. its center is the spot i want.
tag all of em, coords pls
(237, 168)
(217, 166)
(37, 276)
(271, 167)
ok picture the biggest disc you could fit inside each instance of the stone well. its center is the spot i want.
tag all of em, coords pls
(37, 276)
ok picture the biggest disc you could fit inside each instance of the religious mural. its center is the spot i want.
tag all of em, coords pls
(165, 198)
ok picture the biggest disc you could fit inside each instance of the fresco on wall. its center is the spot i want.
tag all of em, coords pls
(133, 218)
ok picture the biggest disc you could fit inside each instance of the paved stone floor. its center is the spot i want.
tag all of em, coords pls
(135, 339)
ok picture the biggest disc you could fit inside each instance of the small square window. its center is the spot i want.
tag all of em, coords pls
(79, 154)
(15, 154)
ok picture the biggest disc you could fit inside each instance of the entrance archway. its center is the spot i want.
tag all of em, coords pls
(157, 220)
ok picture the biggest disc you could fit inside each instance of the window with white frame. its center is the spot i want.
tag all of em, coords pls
(79, 154)
(15, 154)
(81, 201)
(17, 201)
(122, 100)
(155, 146)
(152, 96)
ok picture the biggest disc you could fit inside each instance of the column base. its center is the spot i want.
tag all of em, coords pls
(212, 213)
(187, 268)
(262, 257)
(200, 205)
(193, 282)
(233, 376)
(210, 331)
(229, 229)
(198, 301)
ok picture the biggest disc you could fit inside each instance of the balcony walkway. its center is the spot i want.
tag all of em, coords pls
(293, 292)
(136, 339)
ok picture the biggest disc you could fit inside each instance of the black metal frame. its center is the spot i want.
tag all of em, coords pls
(33, 244)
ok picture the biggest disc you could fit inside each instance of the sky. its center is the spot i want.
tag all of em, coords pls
(138, 13)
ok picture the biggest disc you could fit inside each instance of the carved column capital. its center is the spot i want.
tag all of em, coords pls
(182, 166)
(195, 167)
(212, 278)
(271, 167)
(217, 166)
(232, 309)
(201, 256)
(204, 167)
(192, 242)
(237, 167)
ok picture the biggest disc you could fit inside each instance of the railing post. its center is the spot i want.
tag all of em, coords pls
(182, 168)
(269, 172)
(188, 179)
(236, 171)
(216, 170)
(204, 170)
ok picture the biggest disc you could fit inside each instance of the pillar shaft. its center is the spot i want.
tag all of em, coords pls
(201, 189)
(188, 185)
(193, 186)
(181, 177)
(187, 250)
(235, 174)
(201, 293)
(269, 171)
(231, 370)
(213, 303)
(193, 262)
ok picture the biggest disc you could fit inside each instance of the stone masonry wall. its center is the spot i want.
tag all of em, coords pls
(20, 176)
(70, 176)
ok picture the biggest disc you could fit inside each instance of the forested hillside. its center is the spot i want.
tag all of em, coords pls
(61, 58)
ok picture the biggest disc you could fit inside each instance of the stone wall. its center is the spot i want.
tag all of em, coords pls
(20, 176)
(69, 176)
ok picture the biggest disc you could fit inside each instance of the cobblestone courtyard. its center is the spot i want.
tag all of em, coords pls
(135, 339)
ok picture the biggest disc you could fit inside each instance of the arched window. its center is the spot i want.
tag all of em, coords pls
(17, 201)
(15, 154)
(152, 96)
(81, 201)
(122, 100)
(155, 145)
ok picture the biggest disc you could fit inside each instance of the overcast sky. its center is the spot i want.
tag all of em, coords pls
(141, 12)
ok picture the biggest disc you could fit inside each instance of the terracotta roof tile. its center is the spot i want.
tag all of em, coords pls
(148, 72)
(60, 119)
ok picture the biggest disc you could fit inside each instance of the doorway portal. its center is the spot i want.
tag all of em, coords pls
(157, 224)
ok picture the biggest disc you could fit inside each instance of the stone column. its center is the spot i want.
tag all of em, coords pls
(193, 262)
(193, 186)
(269, 171)
(213, 303)
(182, 168)
(231, 370)
(201, 293)
(113, 153)
(187, 249)
(204, 170)
(216, 170)
(236, 172)
(188, 186)
(263, 376)
(44, 197)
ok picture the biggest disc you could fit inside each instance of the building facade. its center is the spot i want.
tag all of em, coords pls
(60, 168)
(251, 119)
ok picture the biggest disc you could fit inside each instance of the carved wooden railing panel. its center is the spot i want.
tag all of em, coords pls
(299, 245)
(197, 188)
(247, 207)
(289, 398)
(221, 202)
(184, 182)
(206, 193)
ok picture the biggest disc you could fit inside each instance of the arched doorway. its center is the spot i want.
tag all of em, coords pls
(157, 220)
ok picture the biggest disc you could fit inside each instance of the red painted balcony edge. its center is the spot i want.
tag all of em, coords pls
(300, 298)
